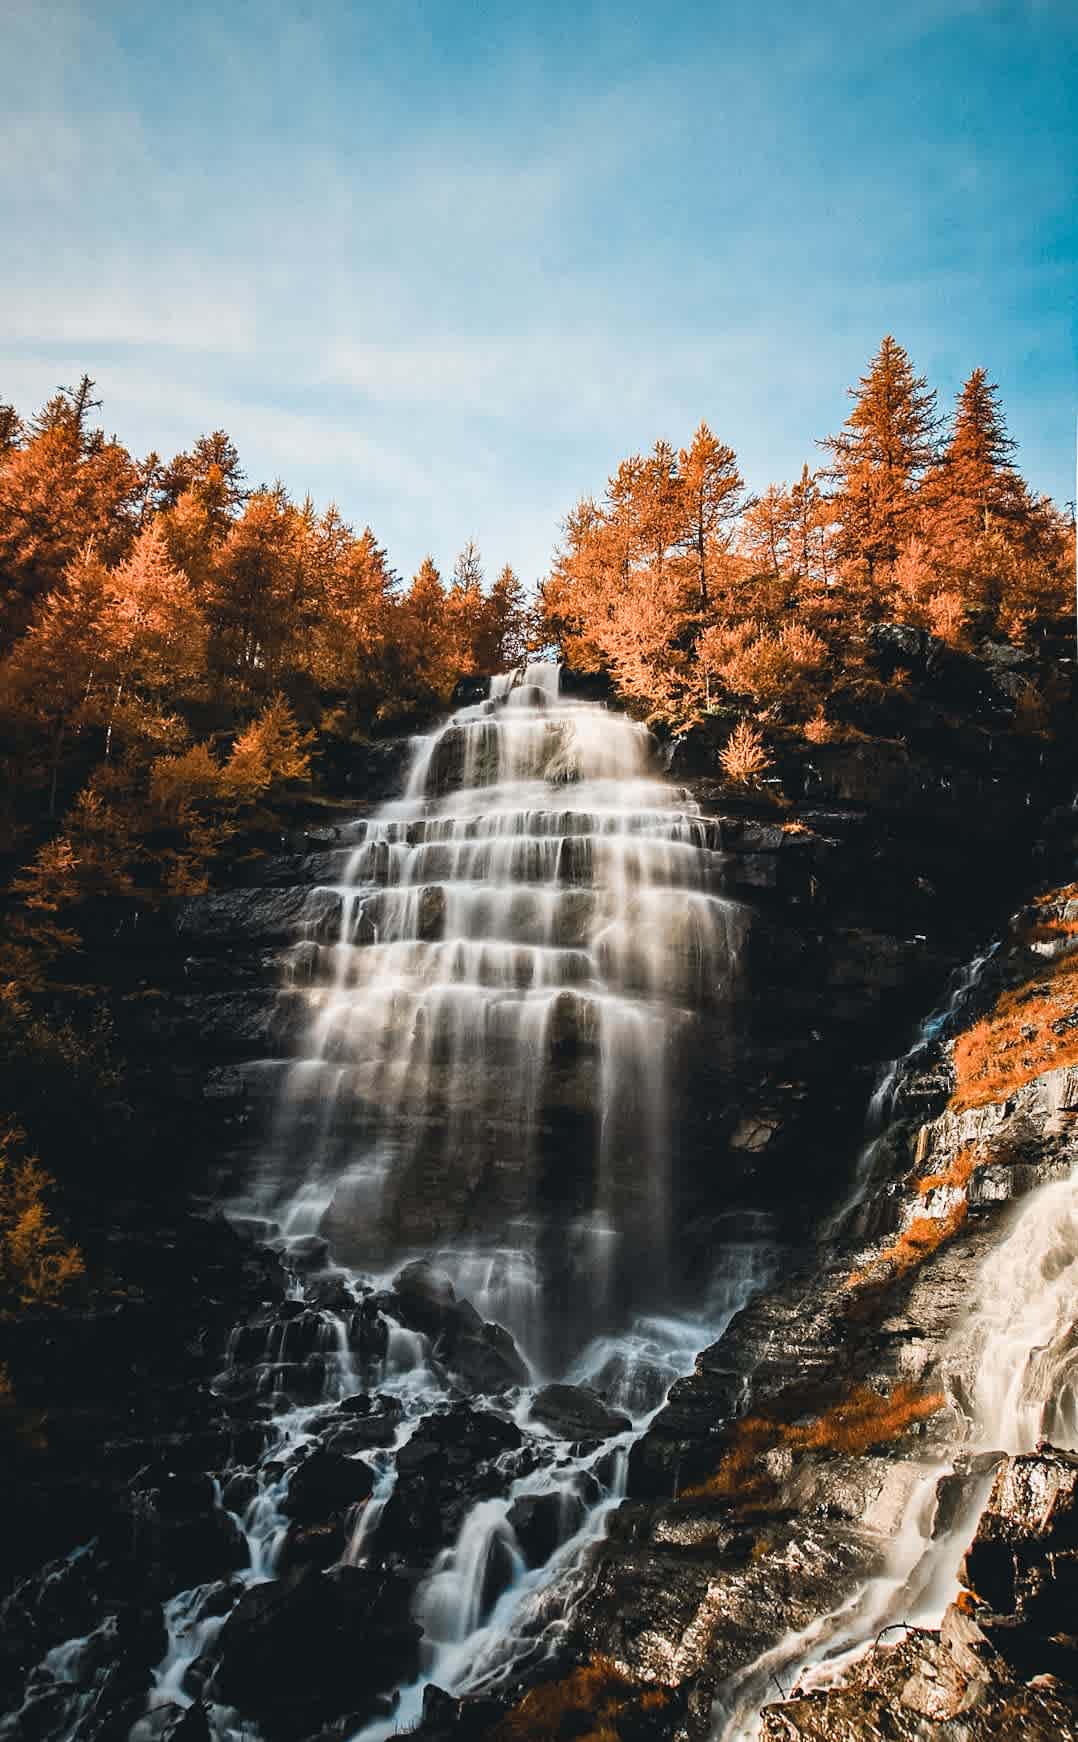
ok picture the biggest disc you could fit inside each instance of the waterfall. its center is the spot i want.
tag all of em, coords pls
(1011, 1370)
(485, 1075)
(519, 945)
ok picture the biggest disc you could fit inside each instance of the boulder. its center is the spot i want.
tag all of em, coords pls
(326, 1482)
(576, 1412)
(542, 1522)
(298, 1651)
(1023, 1561)
(483, 1356)
(162, 1552)
(191, 1725)
(425, 1298)
(361, 1422)
(313, 1545)
(452, 1460)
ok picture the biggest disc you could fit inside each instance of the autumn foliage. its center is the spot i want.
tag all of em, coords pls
(864, 1418)
(183, 653)
(698, 599)
(591, 1704)
(37, 1264)
(1031, 1028)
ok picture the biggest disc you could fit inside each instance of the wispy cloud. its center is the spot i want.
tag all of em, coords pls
(447, 266)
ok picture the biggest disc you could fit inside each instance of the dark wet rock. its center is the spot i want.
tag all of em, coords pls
(576, 1412)
(1004, 1663)
(451, 1461)
(486, 1360)
(313, 1545)
(349, 1629)
(175, 1493)
(309, 1252)
(899, 645)
(190, 1725)
(426, 1298)
(102, 1687)
(163, 1550)
(919, 1690)
(371, 769)
(542, 1522)
(1023, 1563)
(219, 1598)
(362, 1422)
(483, 1356)
(226, 917)
(330, 1294)
(326, 1482)
(239, 1490)
(469, 691)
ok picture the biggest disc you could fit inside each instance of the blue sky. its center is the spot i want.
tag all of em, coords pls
(447, 262)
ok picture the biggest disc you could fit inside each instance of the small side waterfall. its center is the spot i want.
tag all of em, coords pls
(1011, 1370)
(486, 1071)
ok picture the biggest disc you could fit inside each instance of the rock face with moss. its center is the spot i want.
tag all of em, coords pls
(850, 1399)
(772, 1479)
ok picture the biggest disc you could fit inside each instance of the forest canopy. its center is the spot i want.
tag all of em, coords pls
(186, 658)
(177, 643)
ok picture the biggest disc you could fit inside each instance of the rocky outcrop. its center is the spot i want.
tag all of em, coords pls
(851, 904)
(1004, 1662)
(451, 1461)
(482, 1355)
(576, 1412)
(298, 1651)
(773, 1480)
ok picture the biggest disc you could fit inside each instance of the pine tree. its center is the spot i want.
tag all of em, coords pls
(878, 458)
(212, 470)
(811, 530)
(767, 531)
(712, 491)
(153, 625)
(61, 488)
(11, 430)
(976, 485)
(509, 620)
(51, 679)
(466, 606)
(255, 599)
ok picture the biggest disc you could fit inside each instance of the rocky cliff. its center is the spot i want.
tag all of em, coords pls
(769, 1487)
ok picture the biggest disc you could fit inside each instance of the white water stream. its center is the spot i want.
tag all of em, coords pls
(1011, 1370)
(484, 1081)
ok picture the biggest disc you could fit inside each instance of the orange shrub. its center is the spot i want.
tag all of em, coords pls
(1027, 1033)
(920, 1238)
(584, 1705)
(37, 1265)
(743, 756)
(859, 1421)
(957, 1175)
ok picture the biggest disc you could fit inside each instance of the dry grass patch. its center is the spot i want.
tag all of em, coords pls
(586, 1705)
(1032, 1029)
(859, 1421)
(958, 1173)
(917, 1241)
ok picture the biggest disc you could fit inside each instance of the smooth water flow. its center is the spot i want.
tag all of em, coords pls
(496, 984)
(486, 1070)
(1011, 1371)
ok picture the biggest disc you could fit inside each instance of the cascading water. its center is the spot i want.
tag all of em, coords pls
(1010, 1369)
(484, 1090)
(487, 1065)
